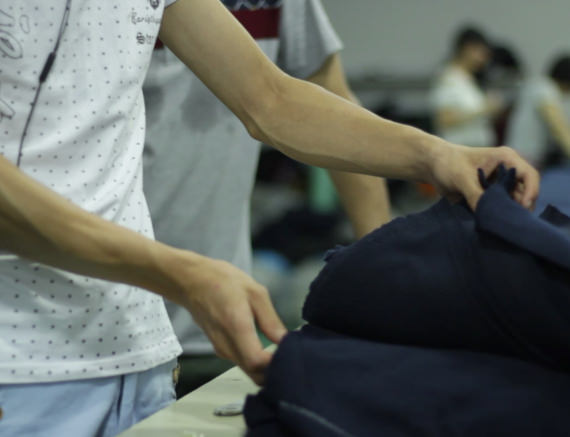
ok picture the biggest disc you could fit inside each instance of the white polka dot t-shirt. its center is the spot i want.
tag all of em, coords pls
(85, 142)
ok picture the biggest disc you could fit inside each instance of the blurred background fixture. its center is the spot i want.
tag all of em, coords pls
(412, 36)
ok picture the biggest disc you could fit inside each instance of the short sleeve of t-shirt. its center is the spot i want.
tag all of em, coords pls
(446, 92)
(167, 3)
(307, 38)
(544, 91)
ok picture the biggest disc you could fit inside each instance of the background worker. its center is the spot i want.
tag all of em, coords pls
(463, 113)
(539, 126)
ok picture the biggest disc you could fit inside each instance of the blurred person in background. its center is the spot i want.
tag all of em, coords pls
(506, 68)
(463, 113)
(539, 128)
(506, 71)
(200, 162)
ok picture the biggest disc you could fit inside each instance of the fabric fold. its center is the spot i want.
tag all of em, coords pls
(448, 278)
(443, 323)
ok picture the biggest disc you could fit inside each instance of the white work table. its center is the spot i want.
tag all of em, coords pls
(193, 415)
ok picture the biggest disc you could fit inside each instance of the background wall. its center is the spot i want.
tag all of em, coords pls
(413, 36)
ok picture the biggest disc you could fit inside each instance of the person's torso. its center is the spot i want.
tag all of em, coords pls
(469, 99)
(85, 142)
(86, 135)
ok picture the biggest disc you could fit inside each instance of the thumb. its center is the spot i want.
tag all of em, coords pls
(472, 193)
(267, 318)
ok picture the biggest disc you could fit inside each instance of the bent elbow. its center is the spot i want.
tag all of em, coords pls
(255, 131)
(266, 108)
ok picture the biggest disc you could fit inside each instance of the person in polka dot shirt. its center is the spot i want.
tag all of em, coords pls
(72, 209)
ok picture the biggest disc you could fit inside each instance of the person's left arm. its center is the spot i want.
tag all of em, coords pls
(313, 125)
(364, 198)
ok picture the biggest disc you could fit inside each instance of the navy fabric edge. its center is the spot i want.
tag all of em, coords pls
(527, 231)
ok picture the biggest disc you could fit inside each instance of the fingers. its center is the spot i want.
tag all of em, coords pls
(256, 369)
(531, 181)
(468, 160)
(248, 352)
(236, 340)
(253, 359)
(456, 172)
(227, 308)
(472, 192)
(518, 193)
(266, 316)
(528, 177)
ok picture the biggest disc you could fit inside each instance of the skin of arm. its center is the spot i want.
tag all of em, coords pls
(38, 224)
(313, 125)
(365, 198)
(554, 117)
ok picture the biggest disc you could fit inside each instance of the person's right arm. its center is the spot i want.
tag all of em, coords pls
(38, 224)
(554, 117)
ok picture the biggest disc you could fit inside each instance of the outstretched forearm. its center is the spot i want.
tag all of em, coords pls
(40, 225)
(364, 198)
(299, 124)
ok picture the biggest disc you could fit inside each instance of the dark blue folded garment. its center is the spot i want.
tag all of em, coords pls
(554, 189)
(443, 323)
(496, 281)
(323, 384)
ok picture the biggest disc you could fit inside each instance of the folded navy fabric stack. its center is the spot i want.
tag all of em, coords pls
(495, 281)
(440, 323)
(325, 384)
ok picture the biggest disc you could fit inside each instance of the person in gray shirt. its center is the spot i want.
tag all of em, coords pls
(539, 125)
